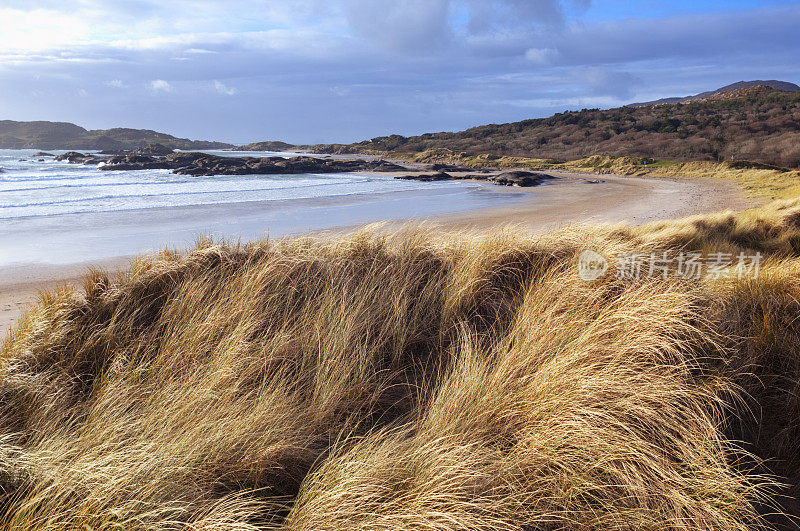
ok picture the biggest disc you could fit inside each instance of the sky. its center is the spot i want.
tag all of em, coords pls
(312, 71)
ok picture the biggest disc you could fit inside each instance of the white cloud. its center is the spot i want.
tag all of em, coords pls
(199, 51)
(224, 89)
(116, 83)
(159, 85)
(36, 30)
(541, 56)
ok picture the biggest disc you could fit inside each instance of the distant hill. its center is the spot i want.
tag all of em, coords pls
(64, 135)
(772, 83)
(749, 121)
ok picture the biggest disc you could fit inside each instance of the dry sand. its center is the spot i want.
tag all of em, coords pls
(571, 198)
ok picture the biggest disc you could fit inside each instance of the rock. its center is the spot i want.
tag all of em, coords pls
(71, 156)
(155, 150)
(448, 167)
(43, 154)
(519, 178)
(80, 158)
(426, 177)
(192, 163)
(509, 178)
(201, 164)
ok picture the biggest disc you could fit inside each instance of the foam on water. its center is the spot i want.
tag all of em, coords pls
(29, 187)
(57, 213)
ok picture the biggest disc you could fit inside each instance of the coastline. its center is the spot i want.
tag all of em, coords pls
(572, 198)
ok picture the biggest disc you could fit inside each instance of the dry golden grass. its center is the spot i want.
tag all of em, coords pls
(413, 381)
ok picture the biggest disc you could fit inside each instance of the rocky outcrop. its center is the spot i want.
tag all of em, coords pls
(198, 164)
(450, 168)
(43, 154)
(153, 150)
(193, 163)
(202, 164)
(80, 158)
(508, 178)
(426, 177)
(519, 178)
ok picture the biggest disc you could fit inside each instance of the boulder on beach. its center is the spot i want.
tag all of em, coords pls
(519, 178)
(448, 167)
(508, 178)
(425, 177)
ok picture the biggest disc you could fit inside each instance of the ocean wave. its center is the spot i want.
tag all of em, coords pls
(175, 194)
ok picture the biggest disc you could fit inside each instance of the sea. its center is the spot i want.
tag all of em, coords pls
(57, 212)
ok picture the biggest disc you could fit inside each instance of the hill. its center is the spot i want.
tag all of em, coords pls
(64, 135)
(761, 125)
(772, 83)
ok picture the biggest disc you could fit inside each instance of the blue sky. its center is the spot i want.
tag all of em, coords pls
(345, 70)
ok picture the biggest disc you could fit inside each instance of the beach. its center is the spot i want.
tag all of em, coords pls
(570, 198)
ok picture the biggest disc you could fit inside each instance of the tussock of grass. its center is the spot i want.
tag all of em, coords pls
(412, 381)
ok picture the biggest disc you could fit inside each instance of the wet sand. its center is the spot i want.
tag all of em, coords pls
(571, 198)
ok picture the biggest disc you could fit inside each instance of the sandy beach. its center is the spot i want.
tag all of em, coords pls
(571, 198)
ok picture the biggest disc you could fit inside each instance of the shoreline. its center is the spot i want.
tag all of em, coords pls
(574, 197)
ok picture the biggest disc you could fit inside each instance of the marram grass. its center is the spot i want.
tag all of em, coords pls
(412, 380)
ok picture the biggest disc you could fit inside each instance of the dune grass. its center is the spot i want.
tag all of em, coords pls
(413, 380)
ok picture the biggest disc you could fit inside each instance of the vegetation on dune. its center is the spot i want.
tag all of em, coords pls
(758, 124)
(413, 381)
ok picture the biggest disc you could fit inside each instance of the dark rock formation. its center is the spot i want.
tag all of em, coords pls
(518, 178)
(80, 158)
(133, 162)
(449, 167)
(509, 178)
(154, 150)
(426, 177)
(72, 156)
(43, 154)
(193, 163)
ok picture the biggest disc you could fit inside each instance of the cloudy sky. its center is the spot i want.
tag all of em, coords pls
(345, 70)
